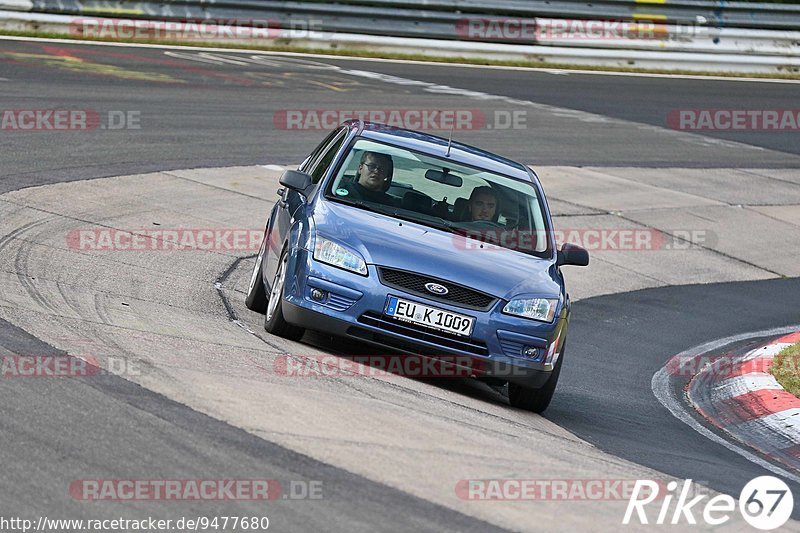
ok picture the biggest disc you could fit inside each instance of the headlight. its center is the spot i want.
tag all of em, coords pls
(329, 252)
(534, 308)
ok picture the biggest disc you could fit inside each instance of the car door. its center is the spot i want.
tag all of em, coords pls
(285, 212)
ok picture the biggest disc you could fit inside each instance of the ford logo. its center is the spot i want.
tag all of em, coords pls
(435, 288)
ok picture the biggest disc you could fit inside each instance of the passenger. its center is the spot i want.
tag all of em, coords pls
(483, 204)
(374, 178)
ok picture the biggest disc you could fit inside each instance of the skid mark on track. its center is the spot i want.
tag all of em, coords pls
(21, 261)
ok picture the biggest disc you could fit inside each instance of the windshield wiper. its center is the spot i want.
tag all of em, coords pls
(436, 222)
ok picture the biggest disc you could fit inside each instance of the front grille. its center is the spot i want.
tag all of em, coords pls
(511, 348)
(415, 283)
(339, 302)
(413, 331)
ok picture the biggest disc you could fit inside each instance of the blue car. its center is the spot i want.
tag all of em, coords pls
(423, 246)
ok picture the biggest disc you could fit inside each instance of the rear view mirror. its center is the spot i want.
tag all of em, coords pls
(572, 254)
(444, 177)
(294, 179)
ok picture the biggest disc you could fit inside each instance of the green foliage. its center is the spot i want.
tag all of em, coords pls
(786, 368)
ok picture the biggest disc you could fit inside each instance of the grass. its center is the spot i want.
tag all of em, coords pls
(345, 52)
(786, 368)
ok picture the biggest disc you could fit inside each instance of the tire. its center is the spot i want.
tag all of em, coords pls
(536, 400)
(274, 322)
(256, 299)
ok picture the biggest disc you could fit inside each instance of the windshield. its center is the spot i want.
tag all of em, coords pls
(476, 204)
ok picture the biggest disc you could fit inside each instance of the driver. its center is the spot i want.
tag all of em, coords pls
(373, 178)
(483, 204)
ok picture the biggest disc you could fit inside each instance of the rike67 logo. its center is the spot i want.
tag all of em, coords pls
(765, 503)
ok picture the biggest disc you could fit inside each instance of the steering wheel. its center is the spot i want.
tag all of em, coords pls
(487, 224)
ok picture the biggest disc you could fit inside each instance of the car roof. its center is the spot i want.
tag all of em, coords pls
(437, 146)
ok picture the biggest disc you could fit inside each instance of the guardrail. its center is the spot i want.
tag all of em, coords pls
(512, 32)
(437, 16)
(395, 18)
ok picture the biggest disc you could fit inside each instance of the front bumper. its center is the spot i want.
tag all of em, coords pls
(353, 307)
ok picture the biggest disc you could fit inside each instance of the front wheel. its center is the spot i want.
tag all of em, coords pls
(536, 400)
(274, 322)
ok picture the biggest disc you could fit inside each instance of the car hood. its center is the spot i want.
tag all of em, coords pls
(386, 241)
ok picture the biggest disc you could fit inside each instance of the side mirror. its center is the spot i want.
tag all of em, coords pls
(294, 179)
(572, 254)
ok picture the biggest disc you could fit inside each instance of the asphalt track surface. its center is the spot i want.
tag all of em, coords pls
(620, 341)
(202, 112)
(197, 114)
(55, 431)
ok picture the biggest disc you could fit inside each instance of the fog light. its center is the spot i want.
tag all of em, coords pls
(530, 351)
(317, 295)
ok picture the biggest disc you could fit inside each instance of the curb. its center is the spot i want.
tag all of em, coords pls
(738, 395)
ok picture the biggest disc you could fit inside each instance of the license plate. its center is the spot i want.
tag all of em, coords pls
(430, 317)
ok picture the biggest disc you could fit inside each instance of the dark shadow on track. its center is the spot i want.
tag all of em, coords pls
(618, 342)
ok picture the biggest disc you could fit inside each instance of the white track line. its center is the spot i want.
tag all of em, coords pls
(559, 71)
(662, 390)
